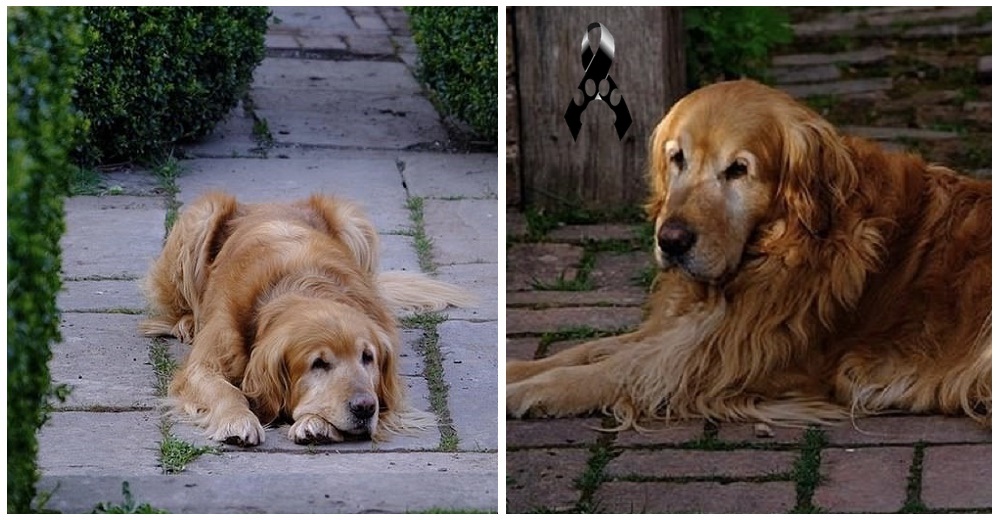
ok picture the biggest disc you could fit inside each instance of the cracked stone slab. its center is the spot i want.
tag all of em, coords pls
(111, 237)
(333, 78)
(389, 121)
(436, 175)
(105, 361)
(100, 443)
(373, 183)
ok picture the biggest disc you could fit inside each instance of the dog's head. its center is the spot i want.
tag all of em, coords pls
(734, 163)
(319, 357)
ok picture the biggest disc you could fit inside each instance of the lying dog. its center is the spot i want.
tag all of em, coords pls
(288, 318)
(806, 277)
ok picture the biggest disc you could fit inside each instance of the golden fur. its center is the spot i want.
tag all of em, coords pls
(288, 319)
(806, 277)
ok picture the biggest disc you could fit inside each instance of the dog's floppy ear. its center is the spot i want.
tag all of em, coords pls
(817, 172)
(266, 382)
(347, 222)
(389, 388)
(657, 169)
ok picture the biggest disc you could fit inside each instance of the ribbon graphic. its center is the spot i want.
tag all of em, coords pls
(597, 66)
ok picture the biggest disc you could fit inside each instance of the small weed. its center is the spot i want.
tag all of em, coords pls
(128, 505)
(580, 283)
(85, 181)
(593, 475)
(163, 365)
(421, 242)
(168, 171)
(262, 133)
(646, 276)
(176, 454)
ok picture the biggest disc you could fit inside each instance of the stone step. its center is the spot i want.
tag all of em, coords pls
(865, 23)
(889, 134)
(985, 66)
(867, 55)
(813, 74)
(839, 88)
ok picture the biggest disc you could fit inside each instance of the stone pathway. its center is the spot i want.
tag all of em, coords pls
(335, 108)
(914, 78)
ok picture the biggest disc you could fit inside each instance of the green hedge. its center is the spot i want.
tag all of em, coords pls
(44, 49)
(458, 57)
(158, 75)
(732, 42)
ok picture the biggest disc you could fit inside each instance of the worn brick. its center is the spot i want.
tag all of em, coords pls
(522, 348)
(628, 296)
(521, 321)
(530, 264)
(863, 480)
(571, 432)
(544, 479)
(744, 432)
(692, 463)
(659, 432)
(957, 477)
(908, 429)
(597, 232)
(696, 497)
(617, 270)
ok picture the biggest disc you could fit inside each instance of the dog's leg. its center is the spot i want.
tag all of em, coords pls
(585, 354)
(563, 391)
(202, 388)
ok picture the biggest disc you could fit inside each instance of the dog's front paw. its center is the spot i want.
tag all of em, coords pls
(313, 429)
(240, 428)
(523, 400)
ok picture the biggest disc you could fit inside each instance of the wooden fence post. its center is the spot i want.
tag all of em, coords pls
(597, 171)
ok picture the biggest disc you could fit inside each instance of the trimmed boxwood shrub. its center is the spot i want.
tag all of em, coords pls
(44, 49)
(158, 75)
(458, 60)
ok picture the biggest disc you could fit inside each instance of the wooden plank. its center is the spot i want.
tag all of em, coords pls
(596, 172)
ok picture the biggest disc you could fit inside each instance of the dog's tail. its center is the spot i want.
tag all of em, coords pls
(413, 292)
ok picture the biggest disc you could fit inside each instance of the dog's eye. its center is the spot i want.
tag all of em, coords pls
(320, 364)
(367, 358)
(678, 159)
(736, 170)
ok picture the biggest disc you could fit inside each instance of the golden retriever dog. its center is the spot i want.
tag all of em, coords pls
(806, 277)
(288, 318)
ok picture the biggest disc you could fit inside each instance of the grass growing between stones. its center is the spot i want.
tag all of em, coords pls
(421, 242)
(128, 505)
(806, 471)
(164, 365)
(176, 454)
(168, 171)
(914, 483)
(430, 350)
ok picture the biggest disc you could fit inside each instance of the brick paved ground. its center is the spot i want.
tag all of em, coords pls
(884, 72)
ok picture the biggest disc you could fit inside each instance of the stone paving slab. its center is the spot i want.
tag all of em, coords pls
(908, 430)
(867, 55)
(839, 88)
(335, 78)
(531, 264)
(100, 443)
(319, 18)
(103, 295)
(696, 497)
(469, 359)
(394, 121)
(436, 175)
(396, 253)
(463, 231)
(105, 361)
(560, 433)
(284, 491)
(480, 280)
(366, 182)
(594, 232)
(111, 237)
(628, 296)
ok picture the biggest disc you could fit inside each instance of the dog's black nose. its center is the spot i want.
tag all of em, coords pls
(363, 406)
(675, 238)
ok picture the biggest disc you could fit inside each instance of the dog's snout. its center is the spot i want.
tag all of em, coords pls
(363, 406)
(675, 238)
